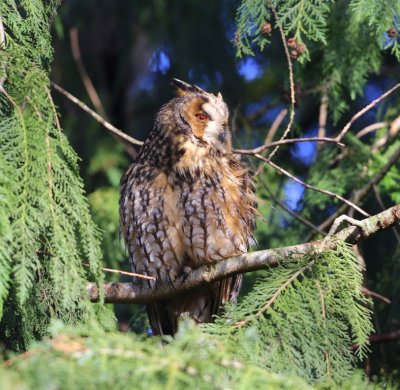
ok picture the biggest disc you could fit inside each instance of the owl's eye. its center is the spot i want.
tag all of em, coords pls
(201, 117)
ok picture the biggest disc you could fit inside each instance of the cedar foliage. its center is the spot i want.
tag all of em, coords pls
(297, 321)
(46, 228)
(82, 359)
(306, 313)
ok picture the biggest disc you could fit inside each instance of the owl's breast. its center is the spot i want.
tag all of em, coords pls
(182, 219)
(212, 225)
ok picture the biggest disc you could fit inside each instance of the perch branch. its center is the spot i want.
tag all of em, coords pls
(129, 293)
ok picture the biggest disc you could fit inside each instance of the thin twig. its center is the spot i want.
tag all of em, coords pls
(383, 207)
(326, 192)
(247, 262)
(364, 110)
(359, 194)
(323, 116)
(96, 116)
(393, 130)
(385, 337)
(261, 148)
(382, 338)
(291, 80)
(275, 126)
(91, 90)
(87, 82)
(374, 294)
(120, 272)
(370, 128)
(290, 211)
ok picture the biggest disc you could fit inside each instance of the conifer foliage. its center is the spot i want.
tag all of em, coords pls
(307, 313)
(45, 226)
(304, 324)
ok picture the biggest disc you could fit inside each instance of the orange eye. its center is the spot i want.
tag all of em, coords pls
(201, 117)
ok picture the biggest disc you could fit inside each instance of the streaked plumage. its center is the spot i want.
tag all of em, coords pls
(187, 201)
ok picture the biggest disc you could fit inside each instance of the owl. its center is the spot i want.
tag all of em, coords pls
(187, 201)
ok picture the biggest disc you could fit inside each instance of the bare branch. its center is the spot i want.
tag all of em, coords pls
(129, 293)
(287, 141)
(120, 272)
(290, 211)
(323, 116)
(359, 194)
(370, 128)
(87, 82)
(96, 116)
(275, 126)
(373, 294)
(291, 81)
(381, 338)
(364, 110)
(385, 337)
(326, 192)
(393, 130)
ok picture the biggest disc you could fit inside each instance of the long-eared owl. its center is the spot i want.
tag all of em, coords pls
(187, 201)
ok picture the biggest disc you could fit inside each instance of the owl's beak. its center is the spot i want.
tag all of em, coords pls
(185, 88)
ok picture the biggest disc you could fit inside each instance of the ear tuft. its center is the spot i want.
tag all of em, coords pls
(183, 88)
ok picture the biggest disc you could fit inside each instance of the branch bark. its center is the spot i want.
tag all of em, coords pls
(130, 293)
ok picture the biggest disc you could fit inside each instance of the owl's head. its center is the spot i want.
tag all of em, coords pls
(204, 115)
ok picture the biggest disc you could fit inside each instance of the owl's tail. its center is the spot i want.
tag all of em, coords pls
(201, 305)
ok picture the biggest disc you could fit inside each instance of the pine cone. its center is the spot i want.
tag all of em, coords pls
(266, 28)
(292, 43)
(392, 32)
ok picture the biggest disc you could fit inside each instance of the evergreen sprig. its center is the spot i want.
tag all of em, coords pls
(48, 232)
(301, 319)
(322, 26)
(82, 359)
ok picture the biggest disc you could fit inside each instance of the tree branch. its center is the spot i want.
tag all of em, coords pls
(291, 81)
(287, 141)
(359, 194)
(364, 110)
(326, 192)
(130, 293)
(96, 116)
(87, 82)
